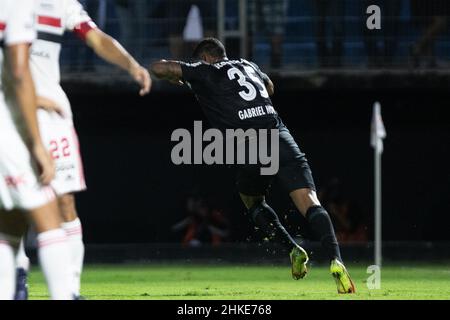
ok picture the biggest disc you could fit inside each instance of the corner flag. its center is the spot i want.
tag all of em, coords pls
(378, 132)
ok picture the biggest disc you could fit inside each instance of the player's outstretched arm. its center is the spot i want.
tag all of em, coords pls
(18, 57)
(112, 51)
(168, 70)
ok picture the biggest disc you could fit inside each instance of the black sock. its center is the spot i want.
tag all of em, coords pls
(267, 220)
(322, 227)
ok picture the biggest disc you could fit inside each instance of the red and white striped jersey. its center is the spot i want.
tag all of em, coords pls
(16, 27)
(53, 19)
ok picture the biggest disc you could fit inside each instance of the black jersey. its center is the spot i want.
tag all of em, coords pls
(232, 93)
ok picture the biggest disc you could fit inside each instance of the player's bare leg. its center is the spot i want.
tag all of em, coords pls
(267, 220)
(72, 226)
(309, 205)
(53, 252)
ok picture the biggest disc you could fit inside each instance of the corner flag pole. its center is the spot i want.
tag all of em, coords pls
(378, 133)
(378, 239)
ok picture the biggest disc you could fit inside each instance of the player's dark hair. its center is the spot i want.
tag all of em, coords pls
(210, 46)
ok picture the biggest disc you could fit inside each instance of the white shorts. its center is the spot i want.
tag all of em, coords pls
(19, 185)
(60, 137)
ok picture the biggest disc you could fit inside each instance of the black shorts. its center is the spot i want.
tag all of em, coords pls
(294, 172)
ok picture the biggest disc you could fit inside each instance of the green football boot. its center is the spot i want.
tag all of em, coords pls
(340, 274)
(299, 258)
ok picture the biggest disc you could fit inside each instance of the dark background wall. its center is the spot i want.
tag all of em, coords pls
(135, 193)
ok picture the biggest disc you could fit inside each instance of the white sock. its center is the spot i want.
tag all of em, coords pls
(54, 258)
(7, 266)
(22, 260)
(74, 233)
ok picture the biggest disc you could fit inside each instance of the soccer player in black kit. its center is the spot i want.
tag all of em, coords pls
(227, 90)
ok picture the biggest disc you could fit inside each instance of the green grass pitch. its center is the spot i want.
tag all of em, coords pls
(186, 281)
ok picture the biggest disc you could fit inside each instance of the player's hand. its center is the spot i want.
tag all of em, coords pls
(44, 162)
(49, 106)
(142, 77)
